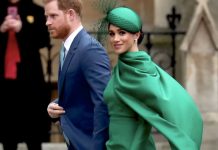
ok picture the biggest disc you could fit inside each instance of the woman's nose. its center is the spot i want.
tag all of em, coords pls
(116, 37)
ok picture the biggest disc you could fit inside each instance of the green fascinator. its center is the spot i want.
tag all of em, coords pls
(120, 16)
(125, 18)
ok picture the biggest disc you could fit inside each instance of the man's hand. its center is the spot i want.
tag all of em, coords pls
(54, 110)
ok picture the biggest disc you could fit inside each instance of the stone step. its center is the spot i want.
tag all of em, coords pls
(45, 146)
(206, 145)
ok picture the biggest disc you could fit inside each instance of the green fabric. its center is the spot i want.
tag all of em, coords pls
(125, 18)
(140, 95)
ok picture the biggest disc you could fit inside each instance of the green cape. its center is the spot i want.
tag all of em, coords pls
(140, 95)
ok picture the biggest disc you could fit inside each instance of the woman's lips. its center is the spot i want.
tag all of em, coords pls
(117, 46)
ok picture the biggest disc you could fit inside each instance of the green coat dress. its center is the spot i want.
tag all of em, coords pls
(140, 95)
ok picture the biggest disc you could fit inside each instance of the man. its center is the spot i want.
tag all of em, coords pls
(24, 93)
(83, 76)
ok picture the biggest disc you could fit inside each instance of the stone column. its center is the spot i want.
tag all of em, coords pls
(200, 61)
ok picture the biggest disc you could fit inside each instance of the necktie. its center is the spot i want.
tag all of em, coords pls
(12, 56)
(62, 55)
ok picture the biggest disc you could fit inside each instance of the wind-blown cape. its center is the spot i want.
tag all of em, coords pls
(140, 95)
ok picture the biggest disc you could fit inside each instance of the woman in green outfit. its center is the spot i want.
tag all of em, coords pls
(140, 95)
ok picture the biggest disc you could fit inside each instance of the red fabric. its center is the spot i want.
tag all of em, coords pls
(12, 56)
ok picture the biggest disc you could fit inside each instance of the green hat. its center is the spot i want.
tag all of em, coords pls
(125, 18)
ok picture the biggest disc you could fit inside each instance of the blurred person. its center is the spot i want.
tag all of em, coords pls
(83, 75)
(141, 96)
(24, 92)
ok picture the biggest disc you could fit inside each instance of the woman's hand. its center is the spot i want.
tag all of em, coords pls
(11, 23)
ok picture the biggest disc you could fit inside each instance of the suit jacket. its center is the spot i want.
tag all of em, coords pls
(82, 80)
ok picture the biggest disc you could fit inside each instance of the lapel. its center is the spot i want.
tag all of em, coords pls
(73, 48)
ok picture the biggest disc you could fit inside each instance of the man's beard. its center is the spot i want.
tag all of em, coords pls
(62, 32)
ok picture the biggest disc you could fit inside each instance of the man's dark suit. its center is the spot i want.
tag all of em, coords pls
(82, 80)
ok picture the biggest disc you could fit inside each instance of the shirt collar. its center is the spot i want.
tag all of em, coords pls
(67, 43)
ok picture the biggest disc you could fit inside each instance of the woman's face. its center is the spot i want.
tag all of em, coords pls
(121, 40)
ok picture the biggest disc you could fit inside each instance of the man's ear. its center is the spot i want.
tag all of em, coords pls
(72, 14)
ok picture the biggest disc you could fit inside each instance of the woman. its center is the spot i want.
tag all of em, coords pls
(140, 95)
(24, 92)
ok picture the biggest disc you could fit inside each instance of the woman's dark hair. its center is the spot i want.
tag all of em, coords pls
(141, 37)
